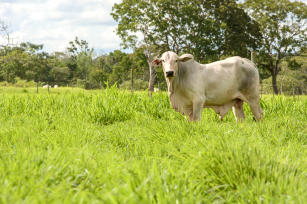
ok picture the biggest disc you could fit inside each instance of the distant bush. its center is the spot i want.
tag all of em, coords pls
(24, 83)
(19, 83)
(91, 85)
(5, 83)
(286, 84)
(138, 85)
(79, 83)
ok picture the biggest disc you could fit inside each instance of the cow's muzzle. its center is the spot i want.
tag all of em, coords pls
(169, 73)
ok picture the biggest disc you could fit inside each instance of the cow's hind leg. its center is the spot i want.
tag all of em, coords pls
(238, 110)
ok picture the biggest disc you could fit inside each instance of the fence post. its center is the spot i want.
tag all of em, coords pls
(132, 80)
(253, 55)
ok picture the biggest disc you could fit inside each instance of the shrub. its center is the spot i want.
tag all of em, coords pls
(24, 83)
(138, 85)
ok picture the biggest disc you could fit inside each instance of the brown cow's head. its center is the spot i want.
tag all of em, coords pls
(170, 62)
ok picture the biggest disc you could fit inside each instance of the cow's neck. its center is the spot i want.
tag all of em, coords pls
(177, 85)
(178, 82)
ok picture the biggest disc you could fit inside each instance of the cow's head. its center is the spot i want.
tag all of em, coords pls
(170, 62)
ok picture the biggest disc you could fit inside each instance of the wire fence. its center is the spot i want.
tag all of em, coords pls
(288, 90)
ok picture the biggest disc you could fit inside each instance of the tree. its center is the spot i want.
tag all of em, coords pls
(82, 58)
(140, 64)
(121, 65)
(100, 73)
(204, 28)
(131, 18)
(97, 78)
(13, 64)
(59, 72)
(5, 32)
(284, 32)
(37, 64)
(292, 78)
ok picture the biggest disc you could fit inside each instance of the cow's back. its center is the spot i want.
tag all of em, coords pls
(225, 78)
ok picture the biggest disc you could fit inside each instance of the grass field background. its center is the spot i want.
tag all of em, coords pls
(111, 146)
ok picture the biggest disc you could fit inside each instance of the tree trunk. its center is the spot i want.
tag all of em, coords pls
(152, 71)
(152, 77)
(37, 87)
(274, 72)
(274, 83)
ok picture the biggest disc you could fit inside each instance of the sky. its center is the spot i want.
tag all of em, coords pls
(54, 23)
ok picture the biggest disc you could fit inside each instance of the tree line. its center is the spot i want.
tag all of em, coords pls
(78, 66)
(209, 29)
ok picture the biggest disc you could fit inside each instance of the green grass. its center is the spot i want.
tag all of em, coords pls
(77, 146)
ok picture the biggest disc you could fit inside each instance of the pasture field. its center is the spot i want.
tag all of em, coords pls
(111, 146)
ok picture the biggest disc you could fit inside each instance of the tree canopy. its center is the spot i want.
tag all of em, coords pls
(207, 29)
(283, 25)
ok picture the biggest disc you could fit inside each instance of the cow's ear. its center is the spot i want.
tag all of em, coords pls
(185, 57)
(156, 62)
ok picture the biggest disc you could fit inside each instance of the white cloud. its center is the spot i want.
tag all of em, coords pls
(56, 22)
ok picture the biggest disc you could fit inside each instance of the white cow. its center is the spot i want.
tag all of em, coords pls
(219, 85)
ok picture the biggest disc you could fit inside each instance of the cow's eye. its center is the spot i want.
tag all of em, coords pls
(162, 60)
(176, 61)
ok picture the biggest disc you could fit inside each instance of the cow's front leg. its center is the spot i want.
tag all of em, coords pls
(197, 108)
